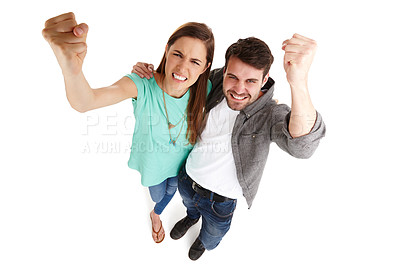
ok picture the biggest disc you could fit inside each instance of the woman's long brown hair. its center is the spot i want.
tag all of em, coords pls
(198, 91)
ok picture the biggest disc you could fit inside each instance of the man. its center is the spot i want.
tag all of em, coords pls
(242, 120)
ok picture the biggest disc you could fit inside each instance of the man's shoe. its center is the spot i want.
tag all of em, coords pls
(196, 250)
(182, 227)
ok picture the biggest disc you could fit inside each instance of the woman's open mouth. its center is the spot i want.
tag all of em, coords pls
(179, 77)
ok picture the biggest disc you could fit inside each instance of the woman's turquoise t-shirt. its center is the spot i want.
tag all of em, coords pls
(152, 154)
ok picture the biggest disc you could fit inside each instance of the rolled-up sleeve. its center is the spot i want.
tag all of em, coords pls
(301, 147)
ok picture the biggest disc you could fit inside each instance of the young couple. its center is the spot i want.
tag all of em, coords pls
(205, 133)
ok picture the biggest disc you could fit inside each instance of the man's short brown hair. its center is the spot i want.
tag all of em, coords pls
(251, 51)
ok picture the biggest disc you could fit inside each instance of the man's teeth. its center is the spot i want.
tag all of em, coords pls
(179, 77)
(237, 97)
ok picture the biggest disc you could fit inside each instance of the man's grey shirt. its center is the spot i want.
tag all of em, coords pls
(257, 125)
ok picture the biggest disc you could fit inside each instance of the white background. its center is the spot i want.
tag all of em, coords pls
(65, 200)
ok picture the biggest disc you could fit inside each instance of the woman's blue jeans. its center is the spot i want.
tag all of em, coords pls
(162, 193)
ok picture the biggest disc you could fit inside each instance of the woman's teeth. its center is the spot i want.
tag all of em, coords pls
(181, 78)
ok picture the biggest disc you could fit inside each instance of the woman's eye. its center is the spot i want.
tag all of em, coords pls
(195, 62)
(179, 55)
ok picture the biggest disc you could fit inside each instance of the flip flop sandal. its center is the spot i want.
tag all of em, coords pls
(157, 233)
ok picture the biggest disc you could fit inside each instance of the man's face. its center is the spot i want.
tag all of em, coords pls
(242, 83)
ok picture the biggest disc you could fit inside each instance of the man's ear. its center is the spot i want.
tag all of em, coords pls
(265, 79)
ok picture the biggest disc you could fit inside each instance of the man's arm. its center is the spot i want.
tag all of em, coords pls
(68, 41)
(145, 70)
(299, 54)
(297, 130)
(301, 147)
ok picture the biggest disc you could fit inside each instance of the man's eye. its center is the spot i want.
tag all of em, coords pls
(251, 81)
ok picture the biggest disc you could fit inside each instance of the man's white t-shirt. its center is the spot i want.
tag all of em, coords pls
(211, 163)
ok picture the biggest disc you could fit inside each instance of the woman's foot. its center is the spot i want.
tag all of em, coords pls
(158, 230)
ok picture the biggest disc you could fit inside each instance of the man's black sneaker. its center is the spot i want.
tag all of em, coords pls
(196, 250)
(182, 227)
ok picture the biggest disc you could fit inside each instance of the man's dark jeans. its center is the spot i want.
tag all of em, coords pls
(216, 216)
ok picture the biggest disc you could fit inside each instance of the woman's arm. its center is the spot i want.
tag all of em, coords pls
(83, 98)
(68, 41)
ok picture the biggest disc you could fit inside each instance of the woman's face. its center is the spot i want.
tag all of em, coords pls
(186, 61)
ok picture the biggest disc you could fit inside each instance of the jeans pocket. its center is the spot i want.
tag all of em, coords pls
(223, 209)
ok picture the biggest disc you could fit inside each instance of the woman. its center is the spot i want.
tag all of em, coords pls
(168, 108)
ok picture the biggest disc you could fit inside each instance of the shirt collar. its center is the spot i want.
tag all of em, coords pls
(268, 92)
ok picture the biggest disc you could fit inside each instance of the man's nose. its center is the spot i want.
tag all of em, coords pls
(240, 87)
